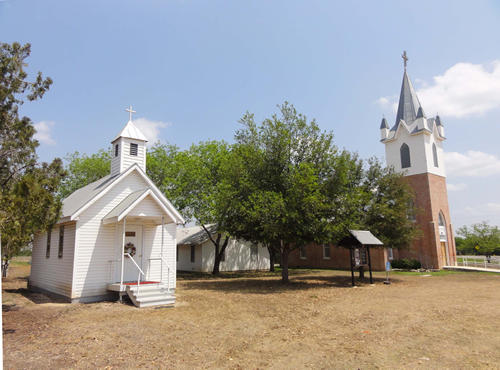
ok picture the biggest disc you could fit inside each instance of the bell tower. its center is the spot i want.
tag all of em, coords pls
(414, 147)
(129, 147)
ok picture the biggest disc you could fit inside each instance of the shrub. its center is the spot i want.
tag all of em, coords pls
(406, 264)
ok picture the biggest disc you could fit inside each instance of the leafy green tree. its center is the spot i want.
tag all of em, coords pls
(481, 237)
(388, 206)
(191, 179)
(28, 200)
(84, 169)
(31, 205)
(288, 185)
(17, 146)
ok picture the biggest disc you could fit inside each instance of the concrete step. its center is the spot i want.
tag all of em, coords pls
(164, 302)
(154, 295)
(157, 297)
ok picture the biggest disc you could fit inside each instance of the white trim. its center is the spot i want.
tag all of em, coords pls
(174, 214)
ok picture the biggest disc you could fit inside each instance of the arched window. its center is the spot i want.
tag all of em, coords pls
(435, 155)
(405, 156)
(441, 219)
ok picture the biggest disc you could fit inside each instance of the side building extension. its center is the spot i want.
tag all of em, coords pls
(196, 252)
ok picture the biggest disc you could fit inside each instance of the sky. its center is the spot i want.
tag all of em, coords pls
(191, 69)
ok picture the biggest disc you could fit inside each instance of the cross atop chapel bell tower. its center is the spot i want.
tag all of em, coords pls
(129, 147)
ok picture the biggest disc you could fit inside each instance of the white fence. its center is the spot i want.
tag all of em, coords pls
(479, 261)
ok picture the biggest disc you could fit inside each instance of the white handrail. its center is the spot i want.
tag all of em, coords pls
(168, 272)
(163, 261)
(140, 271)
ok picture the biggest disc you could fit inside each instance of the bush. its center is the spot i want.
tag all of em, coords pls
(406, 264)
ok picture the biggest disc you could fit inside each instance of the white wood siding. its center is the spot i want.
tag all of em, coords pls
(125, 160)
(238, 257)
(152, 249)
(53, 274)
(98, 245)
(184, 263)
(147, 207)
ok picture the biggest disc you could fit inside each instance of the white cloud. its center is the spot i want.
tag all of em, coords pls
(456, 187)
(465, 89)
(471, 164)
(44, 132)
(150, 129)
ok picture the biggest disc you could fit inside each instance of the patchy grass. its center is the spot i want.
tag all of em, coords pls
(252, 320)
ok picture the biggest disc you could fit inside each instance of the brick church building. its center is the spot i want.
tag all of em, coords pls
(414, 147)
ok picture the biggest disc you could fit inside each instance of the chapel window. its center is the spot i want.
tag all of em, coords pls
(405, 156)
(47, 251)
(302, 252)
(326, 251)
(435, 155)
(117, 149)
(193, 253)
(61, 241)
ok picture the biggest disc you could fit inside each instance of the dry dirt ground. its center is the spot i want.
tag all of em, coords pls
(253, 321)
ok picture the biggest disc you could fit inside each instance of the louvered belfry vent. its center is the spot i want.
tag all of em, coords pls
(133, 149)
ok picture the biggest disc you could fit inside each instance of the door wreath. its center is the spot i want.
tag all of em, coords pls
(130, 249)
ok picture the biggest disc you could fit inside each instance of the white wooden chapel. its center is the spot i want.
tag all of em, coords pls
(117, 234)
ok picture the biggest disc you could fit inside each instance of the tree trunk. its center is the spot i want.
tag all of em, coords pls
(361, 272)
(219, 252)
(284, 263)
(5, 268)
(272, 258)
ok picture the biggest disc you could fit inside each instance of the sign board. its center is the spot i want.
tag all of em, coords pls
(387, 266)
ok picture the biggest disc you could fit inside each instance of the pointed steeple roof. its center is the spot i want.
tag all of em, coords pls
(408, 102)
(132, 132)
(384, 124)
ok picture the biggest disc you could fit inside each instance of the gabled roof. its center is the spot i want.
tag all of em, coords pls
(408, 103)
(194, 235)
(130, 202)
(83, 198)
(132, 132)
(126, 203)
(80, 197)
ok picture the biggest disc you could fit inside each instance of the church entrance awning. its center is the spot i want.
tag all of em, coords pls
(141, 205)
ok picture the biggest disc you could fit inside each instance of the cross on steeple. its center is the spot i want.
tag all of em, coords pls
(130, 111)
(405, 58)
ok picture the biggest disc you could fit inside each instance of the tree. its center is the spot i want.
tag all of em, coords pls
(28, 202)
(83, 169)
(481, 238)
(17, 146)
(288, 185)
(32, 205)
(388, 207)
(191, 179)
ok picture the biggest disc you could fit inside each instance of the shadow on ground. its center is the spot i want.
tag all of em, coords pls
(273, 285)
(37, 298)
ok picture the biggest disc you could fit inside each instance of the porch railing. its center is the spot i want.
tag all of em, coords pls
(162, 261)
(139, 274)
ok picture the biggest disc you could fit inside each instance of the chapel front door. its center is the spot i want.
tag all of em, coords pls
(133, 246)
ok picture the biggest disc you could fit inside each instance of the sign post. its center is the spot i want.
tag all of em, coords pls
(387, 269)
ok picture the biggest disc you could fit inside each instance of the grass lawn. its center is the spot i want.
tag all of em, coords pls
(251, 320)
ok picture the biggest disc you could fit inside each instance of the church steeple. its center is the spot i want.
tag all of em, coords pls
(408, 102)
(129, 147)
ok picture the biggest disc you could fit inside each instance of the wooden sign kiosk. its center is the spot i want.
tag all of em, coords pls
(359, 243)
